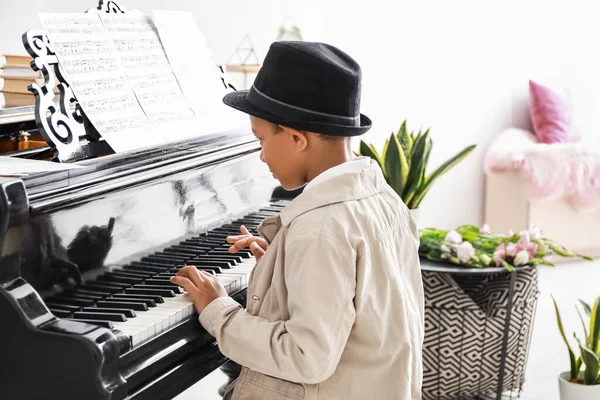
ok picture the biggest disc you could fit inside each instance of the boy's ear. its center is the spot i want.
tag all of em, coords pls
(299, 138)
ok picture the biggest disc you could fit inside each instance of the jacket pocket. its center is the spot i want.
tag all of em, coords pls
(256, 386)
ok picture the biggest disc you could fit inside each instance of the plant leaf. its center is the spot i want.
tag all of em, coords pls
(369, 151)
(586, 307)
(585, 332)
(445, 167)
(592, 365)
(416, 169)
(396, 165)
(385, 147)
(406, 141)
(595, 327)
(574, 371)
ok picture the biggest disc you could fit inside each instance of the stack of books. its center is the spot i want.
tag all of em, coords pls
(15, 76)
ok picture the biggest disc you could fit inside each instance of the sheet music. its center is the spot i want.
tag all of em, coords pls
(196, 72)
(94, 69)
(150, 73)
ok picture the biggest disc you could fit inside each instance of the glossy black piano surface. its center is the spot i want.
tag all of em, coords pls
(87, 309)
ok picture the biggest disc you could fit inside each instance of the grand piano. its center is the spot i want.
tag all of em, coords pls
(87, 309)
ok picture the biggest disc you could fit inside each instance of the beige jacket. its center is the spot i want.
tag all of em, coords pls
(335, 306)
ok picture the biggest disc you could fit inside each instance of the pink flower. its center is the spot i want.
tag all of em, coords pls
(453, 237)
(510, 232)
(531, 248)
(465, 251)
(524, 238)
(511, 250)
(485, 230)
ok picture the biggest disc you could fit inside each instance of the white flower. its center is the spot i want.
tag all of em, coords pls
(535, 232)
(445, 248)
(521, 258)
(465, 251)
(485, 230)
(510, 232)
(511, 250)
(453, 237)
(524, 238)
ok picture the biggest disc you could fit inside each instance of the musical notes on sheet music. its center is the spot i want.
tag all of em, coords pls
(94, 68)
(150, 73)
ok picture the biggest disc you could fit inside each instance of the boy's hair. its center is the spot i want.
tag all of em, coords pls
(328, 138)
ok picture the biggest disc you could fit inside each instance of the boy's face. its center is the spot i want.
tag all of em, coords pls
(282, 151)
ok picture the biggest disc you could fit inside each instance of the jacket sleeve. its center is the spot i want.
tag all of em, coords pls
(320, 275)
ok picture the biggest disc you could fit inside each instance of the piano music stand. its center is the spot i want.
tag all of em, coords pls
(63, 126)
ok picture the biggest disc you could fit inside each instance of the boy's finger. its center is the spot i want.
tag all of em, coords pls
(244, 230)
(184, 282)
(191, 272)
(233, 239)
(256, 250)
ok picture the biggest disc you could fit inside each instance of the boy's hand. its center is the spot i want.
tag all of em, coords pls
(201, 286)
(257, 245)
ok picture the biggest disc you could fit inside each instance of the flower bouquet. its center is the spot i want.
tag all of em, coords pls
(471, 246)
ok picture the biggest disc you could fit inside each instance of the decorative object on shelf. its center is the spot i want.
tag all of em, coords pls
(470, 246)
(242, 55)
(289, 31)
(478, 326)
(404, 159)
(576, 384)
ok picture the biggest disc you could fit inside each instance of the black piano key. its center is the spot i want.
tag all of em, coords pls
(108, 277)
(117, 285)
(167, 257)
(195, 244)
(177, 250)
(132, 273)
(77, 291)
(231, 261)
(190, 247)
(160, 286)
(72, 301)
(99, 316)
(104, 287)
(159, 280)
(238, 258)
(159, 292)
(158, 262)
(198, 262)
(148, 266)
(128, 312)
(65, 307)
(120, 303)
(139, 266)
(207, 242)
(78, 295)
(60, 313)
(149, 300)
(104, 324)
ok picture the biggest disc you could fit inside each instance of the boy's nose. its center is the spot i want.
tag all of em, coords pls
(261, 156)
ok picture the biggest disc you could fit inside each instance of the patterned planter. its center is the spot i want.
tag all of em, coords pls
(478, 326)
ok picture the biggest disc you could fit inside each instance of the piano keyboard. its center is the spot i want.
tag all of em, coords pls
(139, 300)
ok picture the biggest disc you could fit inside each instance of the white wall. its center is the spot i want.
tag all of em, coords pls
(460, 67)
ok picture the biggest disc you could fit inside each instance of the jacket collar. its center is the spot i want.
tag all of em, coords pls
(346, 187)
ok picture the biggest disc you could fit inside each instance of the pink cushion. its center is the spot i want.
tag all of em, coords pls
(550, 115)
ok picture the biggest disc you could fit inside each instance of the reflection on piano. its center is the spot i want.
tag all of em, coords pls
(88, 311)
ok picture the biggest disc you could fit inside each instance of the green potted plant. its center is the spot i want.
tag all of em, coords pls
(576, 384)
(404, 159)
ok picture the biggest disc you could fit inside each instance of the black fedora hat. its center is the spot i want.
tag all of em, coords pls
(308, 86)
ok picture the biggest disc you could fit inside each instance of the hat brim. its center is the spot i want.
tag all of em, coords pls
(239, 101)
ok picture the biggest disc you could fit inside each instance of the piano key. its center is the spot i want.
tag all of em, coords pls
(78, 295)
(226, 254)
(149, 266)
(104, 324)
(72, 301)
(104, 287)
(115, 303)
(215, 266)
(160, 280)
(60, 313)
(65, 307)
(218, 260)
(178, 250)
(148, 299)
(159, 292)
(77, 290)
(132, 273)
(128, 312)
(137, 334)
(175, 289)
(167, 257)
(159, 262)
(107, 277)
(99, 316)
(190, 247)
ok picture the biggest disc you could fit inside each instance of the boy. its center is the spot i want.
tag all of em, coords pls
(335, 302)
